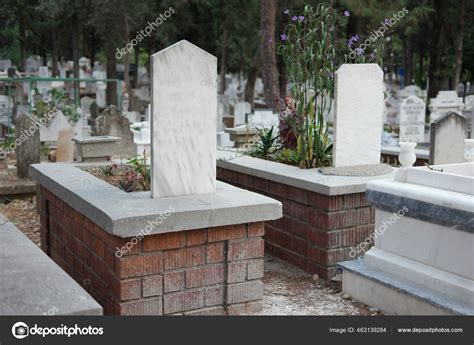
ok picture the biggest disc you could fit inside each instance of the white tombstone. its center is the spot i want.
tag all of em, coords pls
(358, 115)
(240, 110)
(6, 106)
(447, 136)
(410, 90)
(183, 121)
(412, 119)
(5, 64)
(263, 118)
(86, 103)
(43, 86)
(445, 102)
(51, 130)
(100, 94)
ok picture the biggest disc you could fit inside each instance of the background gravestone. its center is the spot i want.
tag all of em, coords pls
(412, 119)
(65, 150)
(447, 139)
(358, 115)
(112, 123)
(27, 141)
(183, 121)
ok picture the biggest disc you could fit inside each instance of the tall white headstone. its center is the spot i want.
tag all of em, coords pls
(358, 115)
(412, 119)
(183, 121)
(240, 110)
(447, 136)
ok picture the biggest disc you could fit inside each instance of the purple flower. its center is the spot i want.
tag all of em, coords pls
(349, 42)
(359, 51)
(355, 38)
(300, 18)
(386, 21)
(347, 13)
(283, 37)
(287, 11)
(294, 18)
(270, 39)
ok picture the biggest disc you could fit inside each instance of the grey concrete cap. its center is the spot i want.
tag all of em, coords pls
(33, 284)
(131, 214)
(309, 179)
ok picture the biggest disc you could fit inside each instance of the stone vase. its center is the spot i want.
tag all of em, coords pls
(407, 154)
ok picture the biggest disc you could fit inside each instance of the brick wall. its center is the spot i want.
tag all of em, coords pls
(316, 230)
(213, 271)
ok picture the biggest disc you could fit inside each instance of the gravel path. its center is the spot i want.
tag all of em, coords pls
(289, 290)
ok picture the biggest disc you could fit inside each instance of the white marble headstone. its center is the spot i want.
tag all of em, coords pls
(412, 119)
(57, 123)
(447, 136)
(444, 103)
(240, 110)
(183, 121)
(358, 115)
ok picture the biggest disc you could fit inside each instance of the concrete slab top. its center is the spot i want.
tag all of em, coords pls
(309, 179)
(32, 284)
(131, 214)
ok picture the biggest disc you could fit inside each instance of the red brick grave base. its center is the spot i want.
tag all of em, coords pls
(214, 271)
(317, 231)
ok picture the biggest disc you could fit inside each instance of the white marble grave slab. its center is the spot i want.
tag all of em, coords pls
(358, 115)
(183, 121)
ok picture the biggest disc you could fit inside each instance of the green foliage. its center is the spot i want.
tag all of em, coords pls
(308, 50)
(107, 170)
(289, 156)
(58, 101)
(142, 171)
(266, 144)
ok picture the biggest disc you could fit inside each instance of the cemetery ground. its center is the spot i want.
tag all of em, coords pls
(288, 290)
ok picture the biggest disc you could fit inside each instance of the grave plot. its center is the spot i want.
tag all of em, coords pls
(191, 245)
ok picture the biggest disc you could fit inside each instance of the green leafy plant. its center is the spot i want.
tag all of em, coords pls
(289, 156)
(107, 170)
(127, 182)
(143, 174)
(266, 143)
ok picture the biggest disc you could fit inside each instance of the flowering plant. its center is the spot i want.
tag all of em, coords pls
(308, 51)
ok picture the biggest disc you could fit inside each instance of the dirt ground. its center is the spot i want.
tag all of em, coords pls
(287, 289)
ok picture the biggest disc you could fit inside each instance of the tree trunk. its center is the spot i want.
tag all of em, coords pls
(111, 92)
(92, 48)
(223, 61)
(75, 44)
(250, 86)
(459, 45)
(54, 54)
(21, 29)
(408, 57)
(267, 50)
(438, 45)
(126, 60)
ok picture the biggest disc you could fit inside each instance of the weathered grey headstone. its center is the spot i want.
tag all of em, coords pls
(112, 123)
(358, 115)
(27, 143)
(447, 139)
(65, 150)
(183, 121)
(412, 119)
